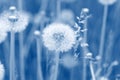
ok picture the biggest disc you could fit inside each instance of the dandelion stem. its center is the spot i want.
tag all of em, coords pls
(21, 56)
(20, 6)
(39, 70)
(54, 67)
(58, 7)
(92, 70)
(12, 56)
(101, 48)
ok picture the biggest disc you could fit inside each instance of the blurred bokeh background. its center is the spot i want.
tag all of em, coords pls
(44, 12)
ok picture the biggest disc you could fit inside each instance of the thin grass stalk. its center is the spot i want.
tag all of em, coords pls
(54, 67)
(39, 69)
(102, 38)
(12, 55)
(92, 70)
(84, 50)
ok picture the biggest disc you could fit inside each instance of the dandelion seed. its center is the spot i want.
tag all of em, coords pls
(107, 2)
(2, 71)
(58, 37)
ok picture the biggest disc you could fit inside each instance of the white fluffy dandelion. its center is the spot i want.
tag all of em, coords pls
(19, 25)
(2, 71)
(58, 37)
(107, 2)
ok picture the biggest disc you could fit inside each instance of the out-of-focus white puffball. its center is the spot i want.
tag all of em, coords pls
(69, 61)
(2, 71)
(19, 25)
(67, 17)
(107, 2)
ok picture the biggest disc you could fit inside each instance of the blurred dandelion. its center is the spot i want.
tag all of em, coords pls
(20, 24)
(58, 37)
(69, 61)
(14, 21)
(2, 71)
(70, 17)
(107, 2)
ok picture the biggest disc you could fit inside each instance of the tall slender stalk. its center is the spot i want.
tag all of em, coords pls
(102, 38)
(58, 7)
(54, 67)
(22, 73)
(21, 56)
(84, 50)
(39, 69)
(12, 56)
(92, 70)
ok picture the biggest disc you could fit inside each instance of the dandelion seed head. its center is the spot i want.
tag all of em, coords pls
(69, 61)
(2, 71)
(59, 37)
(22, 22)
(20, 19)
(107, 2)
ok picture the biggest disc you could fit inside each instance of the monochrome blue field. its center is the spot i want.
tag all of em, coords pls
(59, 40)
